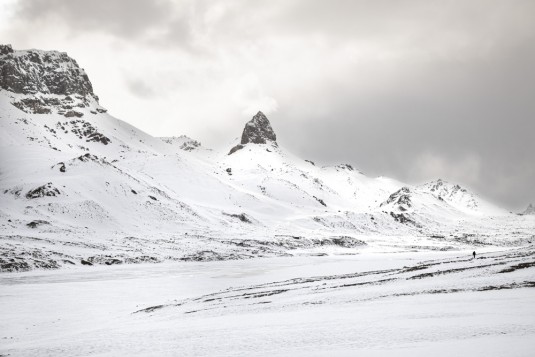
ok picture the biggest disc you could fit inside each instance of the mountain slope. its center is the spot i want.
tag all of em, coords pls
(79, 185)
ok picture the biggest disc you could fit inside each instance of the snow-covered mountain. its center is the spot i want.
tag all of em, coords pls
(80, 186)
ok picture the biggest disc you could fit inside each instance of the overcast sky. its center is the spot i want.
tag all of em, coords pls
(414, 90)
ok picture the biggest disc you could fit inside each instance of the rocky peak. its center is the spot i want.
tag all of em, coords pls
(400, 199)
(258, 130)
(183, 142)
(44, 80)
(47, 72)
(444, 188)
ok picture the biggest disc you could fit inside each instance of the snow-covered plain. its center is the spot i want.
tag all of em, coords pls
(369, 304)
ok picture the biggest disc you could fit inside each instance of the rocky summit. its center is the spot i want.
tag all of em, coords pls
(48, 72)
(45, 81)
(258, 130)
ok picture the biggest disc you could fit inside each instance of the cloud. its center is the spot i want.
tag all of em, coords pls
(250, 97)
(140, 88)
(466, 169)
(128, 19)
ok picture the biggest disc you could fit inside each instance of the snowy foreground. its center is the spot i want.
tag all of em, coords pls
(371, 303)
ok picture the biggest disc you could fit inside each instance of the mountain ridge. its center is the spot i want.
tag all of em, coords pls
(94, 188)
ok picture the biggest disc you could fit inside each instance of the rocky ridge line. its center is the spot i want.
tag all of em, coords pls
(45, 82)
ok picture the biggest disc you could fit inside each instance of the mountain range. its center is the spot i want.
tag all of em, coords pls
(80, 186)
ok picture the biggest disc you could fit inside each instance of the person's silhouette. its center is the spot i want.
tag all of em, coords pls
(474, 253)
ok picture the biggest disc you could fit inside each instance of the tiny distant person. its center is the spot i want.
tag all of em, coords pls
(474, 254)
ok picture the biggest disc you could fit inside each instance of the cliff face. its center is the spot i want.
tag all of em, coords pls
(258, 131)
(45, 82)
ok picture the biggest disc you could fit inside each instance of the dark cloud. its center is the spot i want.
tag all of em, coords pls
(480, 111)
(122, 18)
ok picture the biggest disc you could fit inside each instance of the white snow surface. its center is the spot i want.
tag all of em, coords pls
(369, 304)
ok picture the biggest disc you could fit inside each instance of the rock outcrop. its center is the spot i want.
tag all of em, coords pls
(46, 81)
(401, 199)
(183, 142)
(42, 191)
(258, 130)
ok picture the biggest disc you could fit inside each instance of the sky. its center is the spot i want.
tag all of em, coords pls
(416, 90)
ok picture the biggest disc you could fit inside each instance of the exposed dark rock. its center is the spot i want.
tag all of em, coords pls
(32, 106)
(185, 143)
(87, 157)
(242, 217)
(98, 137)
(401, 197)
(83, 129)
(235, 148)
(85, 262)
(345, 167)
(445, 192)
(73, 113)
(113, 262)
(190, 145)
(404, 219)
(104, 259)
(311, 162)
(258, 131)
(47, 81)
(153, 198)
(210, 255)
(518, 266)
(347, 242)
(14, 266)
(42, 191)
(5, 49)
(37, 223)
(229, 171)
(16, 191)
(320, 201)
(47, 72)
(28, 260)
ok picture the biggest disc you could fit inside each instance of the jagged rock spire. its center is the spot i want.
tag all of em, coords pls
(258, 131)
